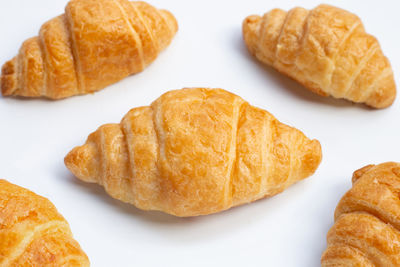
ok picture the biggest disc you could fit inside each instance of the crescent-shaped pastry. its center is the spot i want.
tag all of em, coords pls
(94, 44)
(33, 233)
(367, 220)
(326, 49)
(194, 152)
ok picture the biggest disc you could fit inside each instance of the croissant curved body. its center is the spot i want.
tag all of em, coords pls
(367, 220)
(33, 233)
(195, 152)
(326, 49)
(94, 44)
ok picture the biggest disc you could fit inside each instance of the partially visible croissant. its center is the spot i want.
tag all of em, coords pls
(367, 220)
(326, 49)
(195, 152)
(33, 233)
(94, 44)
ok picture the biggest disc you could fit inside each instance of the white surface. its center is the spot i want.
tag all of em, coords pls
(286, 230)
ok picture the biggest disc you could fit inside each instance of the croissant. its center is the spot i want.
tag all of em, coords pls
(326, 49)
(195, 152)
(94, 44)
(33, 233)
(367, 220)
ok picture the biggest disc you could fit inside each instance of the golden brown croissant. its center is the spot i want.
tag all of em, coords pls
(33, 233)
(367, 220)
(326, 49)
(94, 44)
(195, 152)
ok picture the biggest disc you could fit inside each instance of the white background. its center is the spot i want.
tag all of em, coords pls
(286, 230)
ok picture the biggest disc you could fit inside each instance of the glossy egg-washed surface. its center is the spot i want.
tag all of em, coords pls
(33, 233)
(194, 152)
(94, 44)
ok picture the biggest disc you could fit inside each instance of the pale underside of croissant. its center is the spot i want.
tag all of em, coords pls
(326, 49)
(367, 220)
(94, 44)
(33, 233)
(195, 152)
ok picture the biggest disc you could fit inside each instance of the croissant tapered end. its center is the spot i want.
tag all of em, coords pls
(360, 172)
(193, 152)
(171, 21)
(250, 27)
(312, 157)
(33, 233)
(367, 225)
(8, 83)
(326, 49)
(79, 162)
(384, 94)
(95, 43)
(82, 161)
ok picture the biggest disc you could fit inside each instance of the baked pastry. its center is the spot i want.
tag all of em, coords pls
(33, 233)
(195, 152)
(94, 44)
(326, 49)
(367, 220)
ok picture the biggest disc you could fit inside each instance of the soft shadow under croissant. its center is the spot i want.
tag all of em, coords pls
(94, 44)
(326, 49)
(194, 152)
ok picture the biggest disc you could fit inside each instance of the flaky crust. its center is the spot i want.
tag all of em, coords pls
(326, 49)
(33, 233)
(195, 152)
(94, 44)
(367, 220)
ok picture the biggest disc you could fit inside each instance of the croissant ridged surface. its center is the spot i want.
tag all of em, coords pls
(94, 44)
(195, 152)
(326, 49)
(33, 233)
(367, 220)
